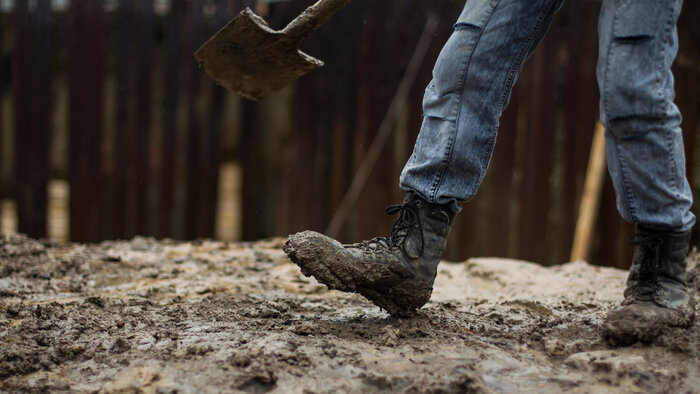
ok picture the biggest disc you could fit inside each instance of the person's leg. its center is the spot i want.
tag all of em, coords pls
(638, 43)
(472, 81)
(471, 85)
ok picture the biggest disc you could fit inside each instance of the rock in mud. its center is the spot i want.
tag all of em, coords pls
(606, 361)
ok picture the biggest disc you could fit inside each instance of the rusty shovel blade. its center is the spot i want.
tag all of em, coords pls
(249, 58)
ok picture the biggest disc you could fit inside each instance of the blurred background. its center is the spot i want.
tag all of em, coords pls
(108, 128)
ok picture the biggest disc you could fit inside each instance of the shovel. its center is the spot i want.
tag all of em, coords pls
(249, 58)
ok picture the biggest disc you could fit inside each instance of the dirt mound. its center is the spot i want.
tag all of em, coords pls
(147, 316)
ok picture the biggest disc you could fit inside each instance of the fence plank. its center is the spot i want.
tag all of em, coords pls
(209, 166)
(24, 41)
(172, 73)
(499, 183)
(117, 199)
(3, 82)
(141, 138)
(32, 114)
(251, 170)
(535, 198)
(86, 71)
(195, 130)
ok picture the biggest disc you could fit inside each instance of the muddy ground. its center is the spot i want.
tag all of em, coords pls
(166, 317)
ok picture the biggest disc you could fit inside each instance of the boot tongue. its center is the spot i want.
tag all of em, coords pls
(647, 256)
(650, 250)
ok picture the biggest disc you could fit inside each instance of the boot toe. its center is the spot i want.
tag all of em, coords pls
(643, 321)
(631, 323)
(310, 251)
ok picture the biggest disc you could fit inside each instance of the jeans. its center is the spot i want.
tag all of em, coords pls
(474, 75)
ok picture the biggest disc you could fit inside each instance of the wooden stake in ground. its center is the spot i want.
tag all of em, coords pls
(590, 200)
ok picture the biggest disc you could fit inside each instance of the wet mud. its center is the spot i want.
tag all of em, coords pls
(142, 316)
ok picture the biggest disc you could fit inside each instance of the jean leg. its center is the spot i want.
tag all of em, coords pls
(472, 81)
(644, 143)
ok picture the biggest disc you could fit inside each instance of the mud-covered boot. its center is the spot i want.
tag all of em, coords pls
(656, 296)
(395, 273)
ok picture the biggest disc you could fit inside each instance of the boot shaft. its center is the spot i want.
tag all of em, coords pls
(427, 236)
(658, 271)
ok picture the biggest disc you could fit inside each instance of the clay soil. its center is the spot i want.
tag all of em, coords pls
(206, 317)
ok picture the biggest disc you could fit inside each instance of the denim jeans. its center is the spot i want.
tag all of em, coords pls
(472, 81)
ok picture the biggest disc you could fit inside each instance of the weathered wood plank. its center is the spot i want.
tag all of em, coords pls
(32, 114)
(141, 151)
(86, 70)
(171, 103)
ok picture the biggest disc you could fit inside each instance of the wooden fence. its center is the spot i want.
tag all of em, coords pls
(107, 96)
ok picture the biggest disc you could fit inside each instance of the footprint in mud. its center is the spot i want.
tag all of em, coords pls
(261, 382)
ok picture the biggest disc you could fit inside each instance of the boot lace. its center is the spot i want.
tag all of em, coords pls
(408, 217)
(649, 266)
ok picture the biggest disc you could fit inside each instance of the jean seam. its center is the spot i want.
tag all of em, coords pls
(606, 106)
(672, 159)
(440, 176)
(444, 163)
(626, 185)
(660, 62)
(668, 26)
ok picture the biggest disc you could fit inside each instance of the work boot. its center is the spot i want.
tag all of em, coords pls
(656, 296)
(395, 273)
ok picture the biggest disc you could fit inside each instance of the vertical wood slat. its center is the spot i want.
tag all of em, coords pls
(193, 137)
(135, 55)
(39, 144)
(389, 65)
(85, 117)
(32, 114)
(343, 124)
(23, 86)
(141, 138)
(212, 158)
(117, 198)
(500, 183)
(535, 198)
(366, 92)
(3, 186)
(173, 39)
(249, 145)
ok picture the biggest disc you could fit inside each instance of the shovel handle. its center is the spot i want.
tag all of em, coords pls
(313, 17)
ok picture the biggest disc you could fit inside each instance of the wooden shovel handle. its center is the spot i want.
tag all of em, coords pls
(313, 17)
(590, 200)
